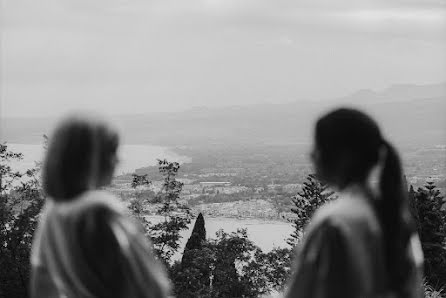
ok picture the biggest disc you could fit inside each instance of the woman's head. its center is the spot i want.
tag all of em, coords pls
(81, 155)
(347, 146)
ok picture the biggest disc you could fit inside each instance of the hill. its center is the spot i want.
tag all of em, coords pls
(410, 115)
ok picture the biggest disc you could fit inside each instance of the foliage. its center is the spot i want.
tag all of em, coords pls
(232, 254)
(137, 202)
(198, 235)
(20, 203)
(7, 175)
(228, 266)
(427, 205)
(139, 180)
(192, 276)
(165, 235)
(231, 266)
(430, 292)
(313, 194)
(271, 270)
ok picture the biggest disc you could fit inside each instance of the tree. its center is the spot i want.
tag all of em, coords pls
(232, 254)
(137, 203)
(228, 266)
(198, 235)
(413, 206)
(271, 270)
(139, 180)
(427, 206)
(313, 195)
(195, 278)
(192, 275)
(165, 235)
(21, 200)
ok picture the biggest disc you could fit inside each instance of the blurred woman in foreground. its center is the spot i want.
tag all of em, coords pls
(364, 243)
(85, 245)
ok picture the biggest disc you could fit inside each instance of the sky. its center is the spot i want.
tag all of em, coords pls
(143, 56)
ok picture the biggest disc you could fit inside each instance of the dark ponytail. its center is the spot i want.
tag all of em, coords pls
(392, 208)
(350, 133)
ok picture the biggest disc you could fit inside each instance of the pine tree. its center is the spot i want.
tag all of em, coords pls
(306, 202)
(198, 235)
(195, 242)
(430, 218)
(192, 275)
(411, 196)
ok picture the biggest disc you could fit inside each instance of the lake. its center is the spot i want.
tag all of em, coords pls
(130, 156)
(266, 234)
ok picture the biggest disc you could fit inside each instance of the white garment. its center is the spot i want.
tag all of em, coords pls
(60, 249)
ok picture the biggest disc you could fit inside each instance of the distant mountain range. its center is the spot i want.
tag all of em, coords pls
(409, 115)
(399, 93)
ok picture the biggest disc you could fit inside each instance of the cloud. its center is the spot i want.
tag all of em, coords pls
(416, 17)
(167, 54)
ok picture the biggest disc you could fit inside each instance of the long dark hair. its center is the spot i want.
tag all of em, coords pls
(348, 132)
(80, 153)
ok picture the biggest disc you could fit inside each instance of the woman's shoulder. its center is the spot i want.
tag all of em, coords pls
(100, 197)
(96, 199)
(348, 210)
(105, 206)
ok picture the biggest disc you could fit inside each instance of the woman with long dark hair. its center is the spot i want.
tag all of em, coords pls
(85, 245)
(363, 244)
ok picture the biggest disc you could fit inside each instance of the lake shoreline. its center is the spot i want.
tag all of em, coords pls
(266, 235)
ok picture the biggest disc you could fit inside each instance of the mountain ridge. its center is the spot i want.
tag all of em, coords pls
(418, 118)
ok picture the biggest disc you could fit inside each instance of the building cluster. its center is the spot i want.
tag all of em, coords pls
(242, 209)
(254, 202)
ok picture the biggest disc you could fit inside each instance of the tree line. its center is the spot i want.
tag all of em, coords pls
(228, 265)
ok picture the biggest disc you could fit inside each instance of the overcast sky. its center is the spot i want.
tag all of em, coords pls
(142, 56)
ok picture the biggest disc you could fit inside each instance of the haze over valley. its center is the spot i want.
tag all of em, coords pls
(411, 115)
